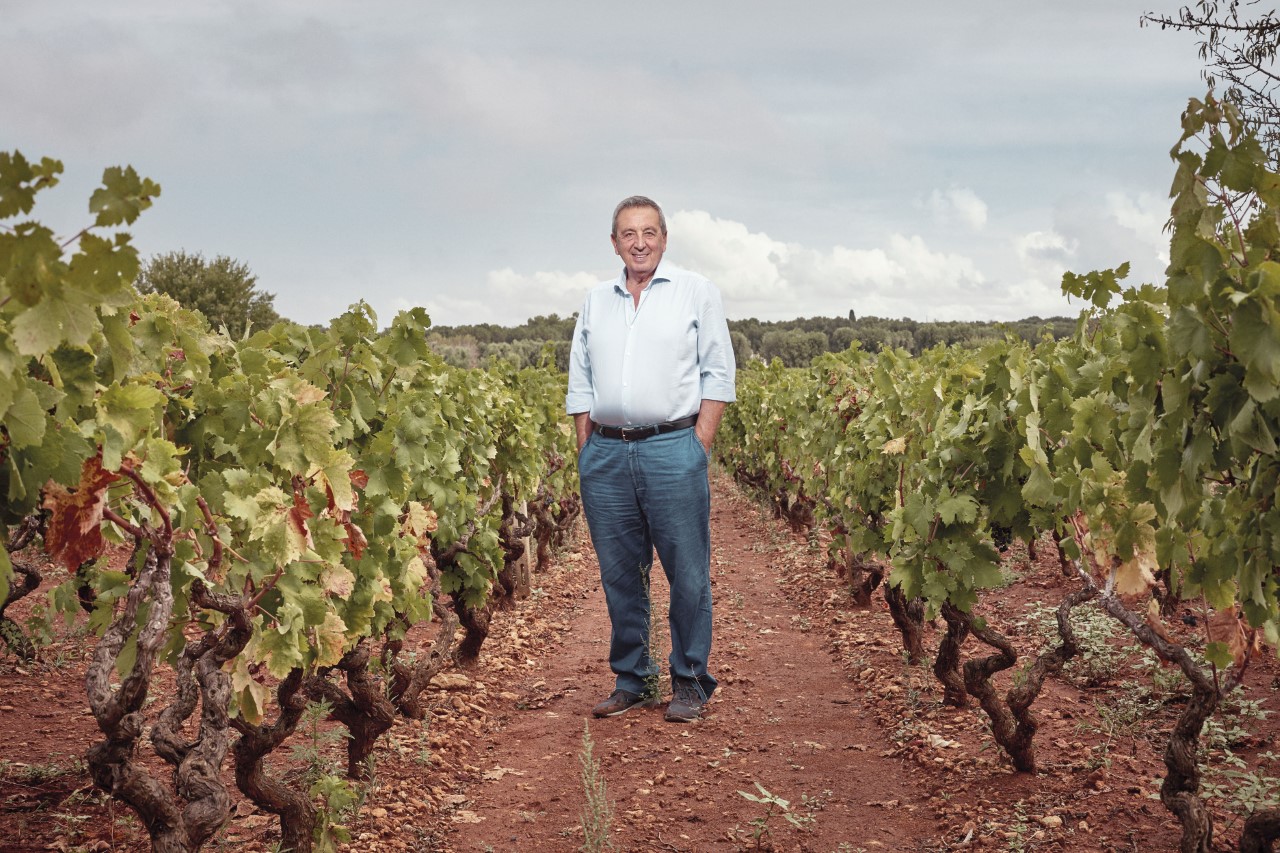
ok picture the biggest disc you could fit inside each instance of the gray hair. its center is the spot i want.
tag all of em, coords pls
(638, 201)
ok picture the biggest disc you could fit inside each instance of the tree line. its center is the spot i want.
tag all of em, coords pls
(794, 342)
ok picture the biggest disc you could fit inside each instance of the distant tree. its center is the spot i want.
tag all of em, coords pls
(794, 347)
(741, 347)
(845, 335)
(223, 290)
(1240, 53)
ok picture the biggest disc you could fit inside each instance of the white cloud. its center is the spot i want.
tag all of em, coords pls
(768, 279)
(743, 264)
(561, 292)
(958, 204)
(1145, 215)
(1045, 247)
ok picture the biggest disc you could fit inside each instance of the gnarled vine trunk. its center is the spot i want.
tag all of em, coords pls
(14, 637)
(908, 616)
(1013, 724)
(946, 666)
(200, 677)
(409, 680)
(1179, 791)
(364, 709)
(113, 762)
(295, 809)
(1260, 831)
(513, 578)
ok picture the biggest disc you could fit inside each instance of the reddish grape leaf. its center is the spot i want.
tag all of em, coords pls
(74, 533)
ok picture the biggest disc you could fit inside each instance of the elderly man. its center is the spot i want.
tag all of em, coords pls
(650, 371)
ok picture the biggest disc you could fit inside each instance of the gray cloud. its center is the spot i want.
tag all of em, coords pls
(827, 155)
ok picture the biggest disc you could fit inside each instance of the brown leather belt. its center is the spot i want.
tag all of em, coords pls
(635, 433)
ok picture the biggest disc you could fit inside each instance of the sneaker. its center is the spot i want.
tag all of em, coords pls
(620, 701)
(686, 705)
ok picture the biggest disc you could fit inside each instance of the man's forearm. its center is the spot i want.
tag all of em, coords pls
(582, 425)
(709, 421)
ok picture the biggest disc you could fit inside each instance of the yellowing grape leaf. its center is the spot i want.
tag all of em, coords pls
(1136, 575)
(419, 521)
(331, 640)
(1226, 627)
(894, 447)
(251, 696)
(417, 571)
(337, 580)
(1156, 622)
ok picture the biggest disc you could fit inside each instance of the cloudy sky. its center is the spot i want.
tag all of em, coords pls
(933, 160)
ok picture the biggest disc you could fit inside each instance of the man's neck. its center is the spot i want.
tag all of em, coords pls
(634, 284)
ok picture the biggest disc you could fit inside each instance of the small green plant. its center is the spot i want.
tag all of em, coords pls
(313, 749)
(1098, 659)
(1229, 726)
(424, 743)
(37, 774)
(339, 799)
(653, 640)
(1018, 829)
(1242, 790)
(773, 806)
(1122, 716)
(597, 812)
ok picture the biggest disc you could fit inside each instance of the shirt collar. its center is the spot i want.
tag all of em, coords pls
(662, 273)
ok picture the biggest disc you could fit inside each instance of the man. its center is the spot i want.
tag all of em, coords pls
(650, 371)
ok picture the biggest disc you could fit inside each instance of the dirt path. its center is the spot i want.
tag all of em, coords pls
(816, 705)
(786, 717)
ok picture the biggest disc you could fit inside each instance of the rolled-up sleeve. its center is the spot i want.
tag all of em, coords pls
(580, 397)
(715, 349)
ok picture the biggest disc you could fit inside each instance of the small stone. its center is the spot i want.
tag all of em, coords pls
(1052, 821)
(450, 681)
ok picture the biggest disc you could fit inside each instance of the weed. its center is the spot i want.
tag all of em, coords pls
(597, 812)
(1122, 716)
(1018, 829)
(774, 805)
(1098, 658)
(424, 743)
(313, 749)
(1228, 728)
(653, 680)
(340, 799)
(38, 774)
(1242, 790)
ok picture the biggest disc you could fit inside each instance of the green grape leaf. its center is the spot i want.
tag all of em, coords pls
(21, 180)
(1039, 488)
(1255, 340)
(62, 317)
(26, 419)
(122, 197)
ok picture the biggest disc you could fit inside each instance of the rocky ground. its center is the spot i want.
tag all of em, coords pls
(840, 745)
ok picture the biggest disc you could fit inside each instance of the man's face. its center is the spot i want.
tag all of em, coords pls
(639, 241)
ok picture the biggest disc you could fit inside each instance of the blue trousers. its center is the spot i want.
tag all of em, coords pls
(639, 496)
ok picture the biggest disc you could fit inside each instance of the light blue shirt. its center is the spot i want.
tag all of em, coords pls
(632, 365)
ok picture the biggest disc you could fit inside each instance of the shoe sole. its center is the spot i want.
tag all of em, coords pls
(644, 703)
(682, 718)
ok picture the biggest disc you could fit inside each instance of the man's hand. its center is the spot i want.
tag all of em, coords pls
(709, 415)
(583, 425)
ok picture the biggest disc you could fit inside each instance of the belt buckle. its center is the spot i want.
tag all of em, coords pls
(638, 433)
